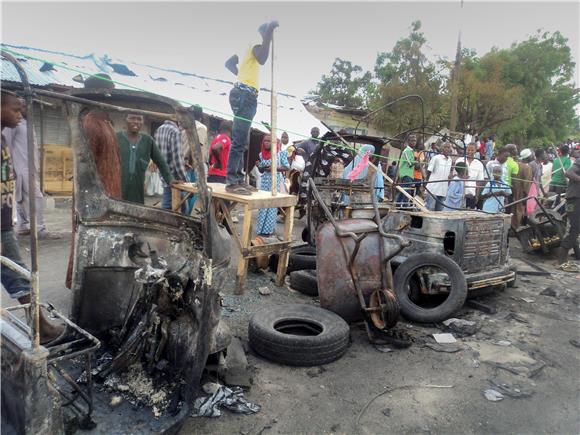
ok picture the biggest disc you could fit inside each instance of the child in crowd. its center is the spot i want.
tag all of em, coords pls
(455, 198)
(495, 192)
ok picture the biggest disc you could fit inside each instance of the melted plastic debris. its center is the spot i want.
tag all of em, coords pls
(231, 399)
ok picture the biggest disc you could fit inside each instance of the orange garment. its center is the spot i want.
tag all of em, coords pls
(103, 143)
(419, 158)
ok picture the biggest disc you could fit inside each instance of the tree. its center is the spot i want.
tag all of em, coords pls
(407, 70)
(485, 101)
(543, 67)
(346, 85)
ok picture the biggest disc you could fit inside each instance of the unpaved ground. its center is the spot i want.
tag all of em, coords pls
(416, 390)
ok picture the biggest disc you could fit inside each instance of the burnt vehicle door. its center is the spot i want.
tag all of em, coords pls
(185, 257)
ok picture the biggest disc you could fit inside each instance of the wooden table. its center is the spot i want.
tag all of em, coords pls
(225, 202)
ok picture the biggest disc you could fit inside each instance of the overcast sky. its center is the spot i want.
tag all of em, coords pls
(199, 37)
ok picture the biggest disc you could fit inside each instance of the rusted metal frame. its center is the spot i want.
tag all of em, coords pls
(389, 179)
(7, 262)
(86, 397)
(106, 106)
(34, 277)
(328, 214)
(187, 121)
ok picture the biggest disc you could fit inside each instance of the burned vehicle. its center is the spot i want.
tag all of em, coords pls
(145, 282)
(451, 255)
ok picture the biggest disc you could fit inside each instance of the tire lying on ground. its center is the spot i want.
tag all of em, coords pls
(300, 258)
(304, 281)
(298, 335)
(448, 307)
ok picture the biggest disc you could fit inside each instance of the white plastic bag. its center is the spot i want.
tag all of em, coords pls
(298, 163)
(153, 183)
(257, 176)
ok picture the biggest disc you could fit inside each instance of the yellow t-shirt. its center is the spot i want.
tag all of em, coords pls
(249, 69)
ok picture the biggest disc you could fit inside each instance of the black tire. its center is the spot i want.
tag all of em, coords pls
(313, 336)
(304, 281)
(302, 258)
(447, 308)
(299, 257)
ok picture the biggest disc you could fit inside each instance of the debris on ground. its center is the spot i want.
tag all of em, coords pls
(448, 348)
(461, 326)
(444, 338)
(492, 395)
(264, 291)
(138, 388)
(515, 391)
(383, 349)
(551, 291)
(315, 372)
(115, 401)
(237, 372)
(231, 399)
(575, 343)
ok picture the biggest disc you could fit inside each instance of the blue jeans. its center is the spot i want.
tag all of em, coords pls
(402, 200)
(432, 204)
(166, 200)
(244, 105)
(14, 284)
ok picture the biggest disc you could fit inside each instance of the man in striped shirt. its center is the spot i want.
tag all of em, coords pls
(168, 138)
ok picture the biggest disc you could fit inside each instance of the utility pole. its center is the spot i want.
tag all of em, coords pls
(455, 81)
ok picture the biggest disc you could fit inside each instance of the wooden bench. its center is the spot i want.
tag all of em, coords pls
(225, 202)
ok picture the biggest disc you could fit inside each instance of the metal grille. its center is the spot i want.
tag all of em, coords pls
(482, 245)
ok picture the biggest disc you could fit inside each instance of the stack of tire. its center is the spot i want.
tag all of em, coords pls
(302, 269)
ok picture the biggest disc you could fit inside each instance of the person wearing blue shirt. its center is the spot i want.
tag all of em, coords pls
(495, 192)
(455, 198)
(488, 149)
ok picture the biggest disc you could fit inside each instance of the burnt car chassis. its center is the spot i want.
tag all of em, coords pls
(145, 281)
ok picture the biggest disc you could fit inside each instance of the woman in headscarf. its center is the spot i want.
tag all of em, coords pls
(267, 216)
(360, 168)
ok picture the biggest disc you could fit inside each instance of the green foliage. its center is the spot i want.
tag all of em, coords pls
(346, 85)
(524, 94)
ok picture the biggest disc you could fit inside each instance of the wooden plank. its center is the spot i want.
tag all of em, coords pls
(175, 199)
(228, 217)
(270, 248)
(260, 199)
(243, 262)
(283, 260)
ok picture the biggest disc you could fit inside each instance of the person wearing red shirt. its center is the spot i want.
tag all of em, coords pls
(219, 154)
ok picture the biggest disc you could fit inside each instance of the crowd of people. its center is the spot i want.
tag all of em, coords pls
(481, 176)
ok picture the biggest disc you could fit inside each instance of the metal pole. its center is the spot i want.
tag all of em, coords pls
(273, 122)
(34, 282)
(41, 156)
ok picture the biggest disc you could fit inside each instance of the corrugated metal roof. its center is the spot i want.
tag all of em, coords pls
(187, 88)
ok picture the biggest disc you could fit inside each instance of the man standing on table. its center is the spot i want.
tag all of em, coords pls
(137, 150)
(244, 101)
